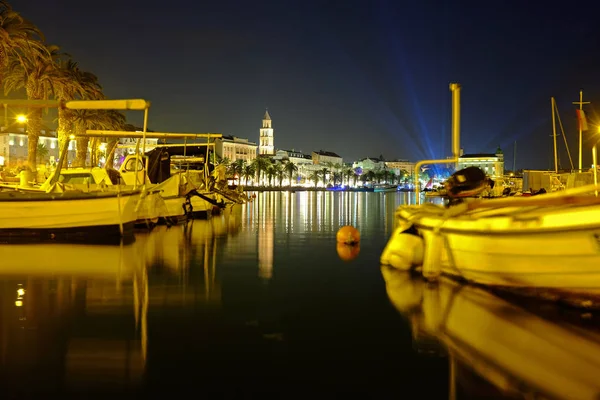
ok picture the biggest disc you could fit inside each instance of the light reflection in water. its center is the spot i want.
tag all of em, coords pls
(84, 309)
(523, 350)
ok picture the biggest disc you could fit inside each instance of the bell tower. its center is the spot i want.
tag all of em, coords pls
(265, 145)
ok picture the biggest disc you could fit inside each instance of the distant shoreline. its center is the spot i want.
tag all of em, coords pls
(310, 189)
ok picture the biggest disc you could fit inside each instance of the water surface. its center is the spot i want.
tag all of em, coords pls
(257, 301)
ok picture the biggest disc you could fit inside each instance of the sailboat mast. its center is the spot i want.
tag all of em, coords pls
(554, 138)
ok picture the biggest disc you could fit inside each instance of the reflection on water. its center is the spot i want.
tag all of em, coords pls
(520, 352)
(256, 300)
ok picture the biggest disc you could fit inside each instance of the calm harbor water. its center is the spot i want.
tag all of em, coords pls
(257, 301)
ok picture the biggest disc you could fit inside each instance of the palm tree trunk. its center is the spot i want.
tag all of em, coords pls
(82, 147)
(64, 129)
(111, 147)
(34, 127)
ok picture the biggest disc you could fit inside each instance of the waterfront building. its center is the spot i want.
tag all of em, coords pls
(14, 147)
(127, 146)
(235, 148)
(398, 166)
(369, 164)
(293, 156)
(322, 157)
(491, 164)
(266, 139)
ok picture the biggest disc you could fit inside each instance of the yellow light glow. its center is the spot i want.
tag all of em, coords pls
(21, 292)
(19, 303)
(102, 146)
(21, 118)
(72, 137)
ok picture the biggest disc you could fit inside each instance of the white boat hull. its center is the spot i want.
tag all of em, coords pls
(105, 215)
(552, 248)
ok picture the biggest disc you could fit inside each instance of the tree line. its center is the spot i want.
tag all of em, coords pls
(265, 171)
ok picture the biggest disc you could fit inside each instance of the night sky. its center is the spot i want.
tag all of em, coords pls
(359, 78)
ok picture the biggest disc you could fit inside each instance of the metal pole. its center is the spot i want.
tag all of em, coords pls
(144, 143)
(595, 161)
(455, 89)
(554, 136)
(581, 103)
(580, 133)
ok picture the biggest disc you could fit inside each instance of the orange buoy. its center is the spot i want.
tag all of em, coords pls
(348, 235)
(347, 252)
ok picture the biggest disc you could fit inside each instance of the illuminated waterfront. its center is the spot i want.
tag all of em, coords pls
(258, 300)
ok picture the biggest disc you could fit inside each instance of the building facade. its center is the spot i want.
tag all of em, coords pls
(266, 140)
(369, 164)
(491, 164)
(14, 150)
(293, 156)
(398, 166)
(235, 148)
(322, 157)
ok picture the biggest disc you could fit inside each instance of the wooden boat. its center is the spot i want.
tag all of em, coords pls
(521, 352)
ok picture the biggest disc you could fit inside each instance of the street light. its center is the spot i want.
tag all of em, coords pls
(21, 118)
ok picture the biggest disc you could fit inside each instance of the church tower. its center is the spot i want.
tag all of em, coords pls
(265, 145)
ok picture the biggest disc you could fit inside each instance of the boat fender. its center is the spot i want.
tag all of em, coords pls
(432, 257)
(404, 250)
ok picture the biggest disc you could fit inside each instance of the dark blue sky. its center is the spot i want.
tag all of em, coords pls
(359, 78)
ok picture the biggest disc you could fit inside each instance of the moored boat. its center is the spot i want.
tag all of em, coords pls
(70, 216)
(546, 245)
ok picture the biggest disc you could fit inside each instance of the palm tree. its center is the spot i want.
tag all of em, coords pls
(36, 73)
(278, 171)
(18, 37)
(315, 177)
(93, 119)
(72, 83)
(248, 172)
(270, 172)
(324, 172)
(42, 152)
(236, 169)
(260, 164)
(290, 168)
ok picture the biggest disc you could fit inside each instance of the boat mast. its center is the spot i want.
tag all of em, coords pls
(580, 103)
(554, 138)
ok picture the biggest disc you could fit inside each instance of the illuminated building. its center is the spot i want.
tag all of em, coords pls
(234, 148)
(322, 157)
(266, 146)
(491, 164)
(14, 142)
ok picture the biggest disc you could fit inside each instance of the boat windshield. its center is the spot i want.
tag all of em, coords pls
(80, 178)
